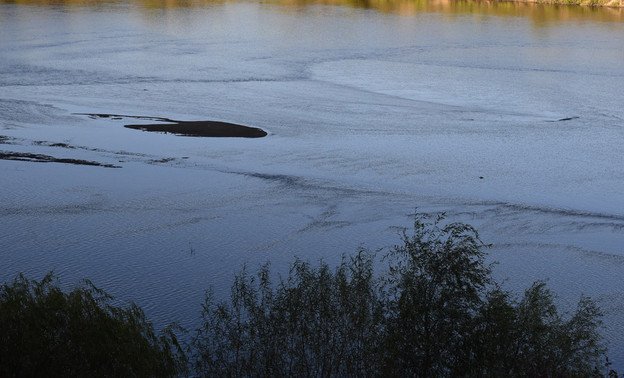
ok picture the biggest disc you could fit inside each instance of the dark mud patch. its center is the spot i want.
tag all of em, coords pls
(161, 161)
(40, 158)
(565, 119)
(6, 139)
(51, 144)
(120, 156)
(122, 116)
(210, 129)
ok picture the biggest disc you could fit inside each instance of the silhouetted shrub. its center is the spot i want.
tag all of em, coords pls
(45, 332)
(435, 312)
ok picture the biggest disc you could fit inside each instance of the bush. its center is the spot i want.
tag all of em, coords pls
(315, 323)
(436, 312)
(46, 332)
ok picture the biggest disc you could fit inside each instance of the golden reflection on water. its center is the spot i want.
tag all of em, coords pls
(539, 13)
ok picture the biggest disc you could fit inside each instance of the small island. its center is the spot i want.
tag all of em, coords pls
(212, 129)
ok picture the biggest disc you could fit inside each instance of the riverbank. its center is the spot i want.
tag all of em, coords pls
(588, 3)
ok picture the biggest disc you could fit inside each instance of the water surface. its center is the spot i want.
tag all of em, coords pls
(506, 116)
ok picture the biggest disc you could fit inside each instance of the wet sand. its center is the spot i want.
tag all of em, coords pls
(211, 129)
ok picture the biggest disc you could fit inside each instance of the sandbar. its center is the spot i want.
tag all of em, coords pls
(212, 129)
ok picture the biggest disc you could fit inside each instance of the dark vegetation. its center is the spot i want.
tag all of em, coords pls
(45, 332)
(434, 312)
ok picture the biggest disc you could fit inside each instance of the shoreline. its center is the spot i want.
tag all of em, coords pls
(582, 3)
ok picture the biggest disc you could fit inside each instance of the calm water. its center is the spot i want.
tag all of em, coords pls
(509, 117)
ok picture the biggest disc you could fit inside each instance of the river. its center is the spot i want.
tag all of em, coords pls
(506, 116)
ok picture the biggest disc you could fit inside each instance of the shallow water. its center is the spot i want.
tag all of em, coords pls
(507, 117)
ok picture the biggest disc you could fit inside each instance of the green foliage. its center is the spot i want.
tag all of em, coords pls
(436, 312)
(317, 322)
(46, 332)
(436, 283)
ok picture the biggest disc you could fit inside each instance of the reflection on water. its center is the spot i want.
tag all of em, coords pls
(538, 13)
